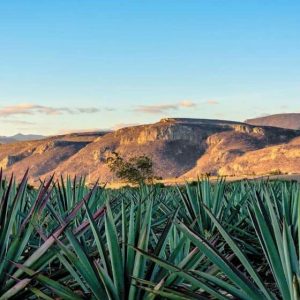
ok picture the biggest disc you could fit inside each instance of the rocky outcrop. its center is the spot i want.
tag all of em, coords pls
(10, 160)
(243, 128)
(48, 146)
(164, 132)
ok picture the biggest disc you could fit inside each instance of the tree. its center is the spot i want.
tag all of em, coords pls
(135, 170)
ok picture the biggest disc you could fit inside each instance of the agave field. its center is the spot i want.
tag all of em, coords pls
(203, 241)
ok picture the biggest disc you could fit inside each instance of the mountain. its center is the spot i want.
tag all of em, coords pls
(290, 121)
(6, 140)
(20, 137)
(178, 147)
(42, 156)
(27, 137)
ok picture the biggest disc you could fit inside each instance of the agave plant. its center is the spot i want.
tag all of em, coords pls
(18, 212)
(105, 263)
(26, 249)
(268, 211)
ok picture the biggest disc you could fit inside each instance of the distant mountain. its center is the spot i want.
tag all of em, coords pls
(27, 137)
(290, 121)
(178, 147)
(20, 137)
(6, 140)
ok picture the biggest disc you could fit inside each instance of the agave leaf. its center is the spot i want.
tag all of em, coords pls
(143, 243)
(243, 259)
(56, 287)
(270, 249)
(184, 274)
(234, 274)
(40, 294)
(51, 240)
(19, 286)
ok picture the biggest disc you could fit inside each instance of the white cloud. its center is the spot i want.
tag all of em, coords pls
(156, 109)
(164, 108)
(187, 103)
(32, 109)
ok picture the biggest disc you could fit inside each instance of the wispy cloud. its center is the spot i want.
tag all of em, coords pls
(156, 109)
(212, 102)
(32, 109)
(87, 110)
(17, 122)
(187, 103)
(164, 108)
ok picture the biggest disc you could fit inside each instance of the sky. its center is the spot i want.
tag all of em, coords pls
(84, 65)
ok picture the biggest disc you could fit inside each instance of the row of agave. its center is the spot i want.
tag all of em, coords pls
(210, 241)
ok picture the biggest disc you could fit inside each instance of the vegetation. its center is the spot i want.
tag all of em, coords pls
(276, 172)
(136, 170)
(209, 241)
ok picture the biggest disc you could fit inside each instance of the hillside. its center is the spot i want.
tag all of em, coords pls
(279, 159)
(238, 154)
(42, 156)
(178, 148)
(289, 121)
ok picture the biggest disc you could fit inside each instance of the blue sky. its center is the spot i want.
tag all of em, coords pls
(81, 65)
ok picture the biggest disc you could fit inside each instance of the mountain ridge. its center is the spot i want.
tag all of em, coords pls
(286, 120)
(179, 147)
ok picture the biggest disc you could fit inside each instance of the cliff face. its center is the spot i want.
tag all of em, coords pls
(171, 130)
(178, 147)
